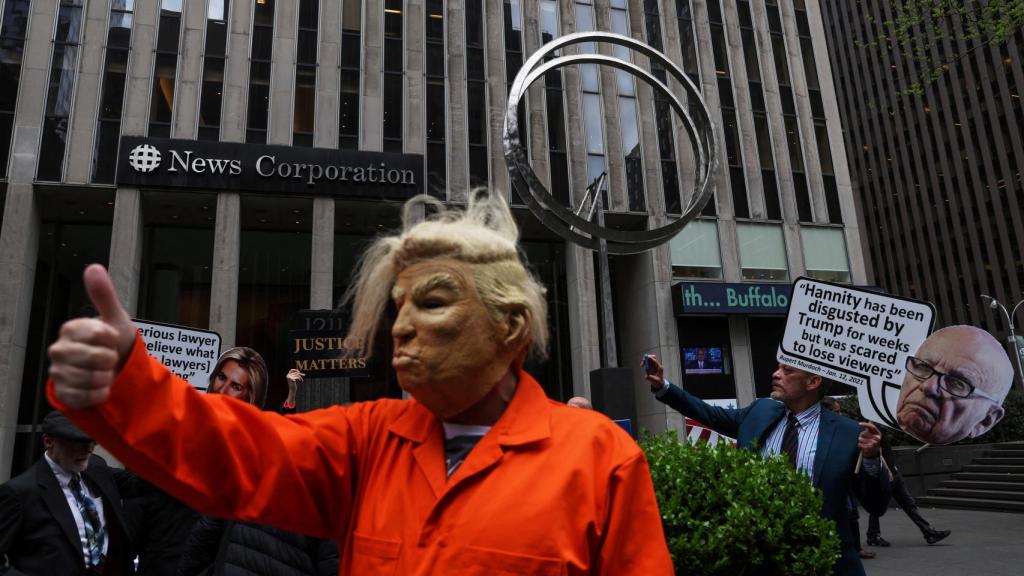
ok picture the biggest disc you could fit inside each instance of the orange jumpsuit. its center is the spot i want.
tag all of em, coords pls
(548, 490)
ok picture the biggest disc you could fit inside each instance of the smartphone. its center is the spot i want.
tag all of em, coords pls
(647, 364)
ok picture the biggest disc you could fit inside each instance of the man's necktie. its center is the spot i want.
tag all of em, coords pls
(95, 533)
(456, 449)
(791, 440)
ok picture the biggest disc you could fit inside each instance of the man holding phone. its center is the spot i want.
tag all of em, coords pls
(822, 445)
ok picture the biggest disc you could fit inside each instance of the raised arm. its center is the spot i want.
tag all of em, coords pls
(216, 454)
(722, 420)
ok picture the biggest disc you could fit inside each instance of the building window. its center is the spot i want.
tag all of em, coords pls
(61, 91)
(593, 115)
(513, 62)
(214, 54)
(394, 65)
(825, 256)
(773, 208)
(351, 56)
(688, 40)
(275, 249)
(176, 276)
(695, 252)
(259, 72)
(161, 109)
(803, 197)
(762, 252)
(663, 115)
(12, 44)
(115, 74)
(554, 93)
(437, 156)
(629, 126)
(476, 93)
(305, 73)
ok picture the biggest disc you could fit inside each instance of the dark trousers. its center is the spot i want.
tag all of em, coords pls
(906, 503)
(854, 517)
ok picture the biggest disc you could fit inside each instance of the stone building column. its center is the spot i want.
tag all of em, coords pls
(88, 91)
(189, 80)
(457, 141)
(227, 240)
(281, 122)
(371, 114)
(19, 236)
(125, 264)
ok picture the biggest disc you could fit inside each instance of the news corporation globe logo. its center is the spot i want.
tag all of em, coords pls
(144, 158)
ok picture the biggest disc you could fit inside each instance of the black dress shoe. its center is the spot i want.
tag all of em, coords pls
(878, 541)
(933, 536)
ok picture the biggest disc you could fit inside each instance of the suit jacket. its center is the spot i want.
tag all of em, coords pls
(38, 535)
(834, 462)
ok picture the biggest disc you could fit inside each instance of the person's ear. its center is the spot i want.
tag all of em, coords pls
(814, 382)
(992, 417)
(47, 441)
(516, 327)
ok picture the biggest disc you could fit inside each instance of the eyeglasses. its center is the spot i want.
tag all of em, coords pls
(955, 385)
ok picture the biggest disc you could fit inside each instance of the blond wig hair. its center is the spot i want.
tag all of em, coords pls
(483, 235)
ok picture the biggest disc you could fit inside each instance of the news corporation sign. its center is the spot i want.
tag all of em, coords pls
(201, 165)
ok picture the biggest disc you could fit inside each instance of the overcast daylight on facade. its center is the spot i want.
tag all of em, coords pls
(938, 174)
(228, 160)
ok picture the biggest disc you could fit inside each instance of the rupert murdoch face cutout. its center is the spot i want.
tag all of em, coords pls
(954, 386)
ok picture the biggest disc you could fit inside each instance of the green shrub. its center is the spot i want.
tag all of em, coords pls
(728, 511)
(1009, 429)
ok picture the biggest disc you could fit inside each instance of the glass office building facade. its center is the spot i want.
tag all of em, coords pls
(425, 80)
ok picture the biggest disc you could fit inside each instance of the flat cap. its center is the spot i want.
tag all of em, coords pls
(58, 426)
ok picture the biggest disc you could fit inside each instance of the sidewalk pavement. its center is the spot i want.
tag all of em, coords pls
(982, 544)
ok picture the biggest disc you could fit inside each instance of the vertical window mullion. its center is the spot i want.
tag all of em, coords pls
(308, 41)
(261, 53)
(351, 56)
(115, 75)
(663, 115)
(436, 62)
(394, 67)
(476, 94)
(60, 91)
(12, 45)
(214, 56)
(165, 69)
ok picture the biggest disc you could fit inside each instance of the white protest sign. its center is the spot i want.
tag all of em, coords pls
(857, 337)
(190, 353)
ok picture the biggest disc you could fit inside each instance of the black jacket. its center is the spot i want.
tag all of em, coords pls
(160, 524)
(226, 548)
(38, 534)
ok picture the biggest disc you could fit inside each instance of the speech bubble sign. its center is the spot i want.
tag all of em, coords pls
(855, 336)
(190, 353)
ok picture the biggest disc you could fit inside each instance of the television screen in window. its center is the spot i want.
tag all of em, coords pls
(703, 360)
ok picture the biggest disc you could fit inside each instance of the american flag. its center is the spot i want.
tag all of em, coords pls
(697, 432)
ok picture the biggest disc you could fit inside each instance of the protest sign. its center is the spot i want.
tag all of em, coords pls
(319, 349)
(857, 337)
(190, 353)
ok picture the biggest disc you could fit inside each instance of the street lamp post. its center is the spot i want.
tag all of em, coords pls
(1012, 339)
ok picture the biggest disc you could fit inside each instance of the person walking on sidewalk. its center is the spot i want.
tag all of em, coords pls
(906, 503)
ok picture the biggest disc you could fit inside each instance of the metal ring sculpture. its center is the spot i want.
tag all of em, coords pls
(561, 219)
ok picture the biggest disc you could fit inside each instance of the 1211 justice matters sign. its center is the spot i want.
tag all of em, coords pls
(201, 165)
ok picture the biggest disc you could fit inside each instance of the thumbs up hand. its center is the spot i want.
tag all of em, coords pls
(88, 354)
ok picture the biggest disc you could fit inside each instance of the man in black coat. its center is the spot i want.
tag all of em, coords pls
(63, 515)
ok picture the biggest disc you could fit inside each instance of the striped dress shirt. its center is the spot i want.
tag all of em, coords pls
(807, 443)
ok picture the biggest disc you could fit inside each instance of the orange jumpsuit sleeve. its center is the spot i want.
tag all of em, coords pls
(634, 541)
(224, 457)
